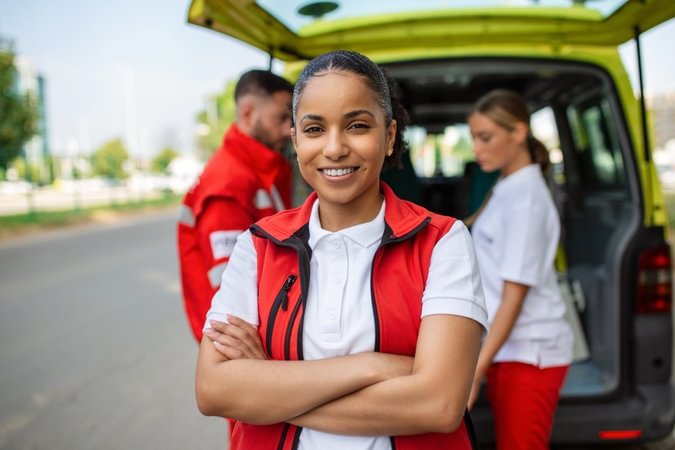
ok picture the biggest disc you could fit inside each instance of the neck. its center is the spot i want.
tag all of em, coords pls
(522, 160)
(336, 217)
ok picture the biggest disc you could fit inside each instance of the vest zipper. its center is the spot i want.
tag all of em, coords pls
(283, 293)
(284, 432)
(289, 331)
(304, 257)
(280, 301)
(388, 238)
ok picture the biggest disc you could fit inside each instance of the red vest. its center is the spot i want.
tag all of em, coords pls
(400, 270)
(250, 175)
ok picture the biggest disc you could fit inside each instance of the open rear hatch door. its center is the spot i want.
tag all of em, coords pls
(297, 30)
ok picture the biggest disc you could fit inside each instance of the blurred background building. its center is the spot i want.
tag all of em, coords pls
(36, 150)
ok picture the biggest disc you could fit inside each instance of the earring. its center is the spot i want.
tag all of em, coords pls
(389, 153)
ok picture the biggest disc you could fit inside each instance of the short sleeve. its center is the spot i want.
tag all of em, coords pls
(526, 239)
(453, 283)
(238, 293)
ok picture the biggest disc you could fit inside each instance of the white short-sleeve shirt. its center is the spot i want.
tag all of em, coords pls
(516, 238)
(339, 316)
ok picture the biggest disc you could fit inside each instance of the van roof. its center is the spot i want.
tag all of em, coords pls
(295, 30)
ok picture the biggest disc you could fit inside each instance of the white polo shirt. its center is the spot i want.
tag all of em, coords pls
(516, 237)
(339, 315)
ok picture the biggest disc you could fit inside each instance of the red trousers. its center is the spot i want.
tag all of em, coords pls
(523, 399)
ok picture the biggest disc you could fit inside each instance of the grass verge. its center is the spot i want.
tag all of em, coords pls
(20, 224)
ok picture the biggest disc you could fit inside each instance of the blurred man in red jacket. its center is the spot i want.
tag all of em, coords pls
(245, 180)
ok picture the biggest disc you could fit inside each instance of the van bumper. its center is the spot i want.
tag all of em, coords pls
(651, 410)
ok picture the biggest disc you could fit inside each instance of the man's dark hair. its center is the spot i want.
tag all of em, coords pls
(261, 82)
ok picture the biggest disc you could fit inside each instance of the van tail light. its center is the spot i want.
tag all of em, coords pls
(613, 435)
(654, 290)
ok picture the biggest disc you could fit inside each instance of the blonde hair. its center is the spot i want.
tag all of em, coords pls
(508, 108)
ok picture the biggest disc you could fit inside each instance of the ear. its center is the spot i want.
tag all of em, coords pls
(391, 136)
(294, 139)
(245, 113)
(521, 130)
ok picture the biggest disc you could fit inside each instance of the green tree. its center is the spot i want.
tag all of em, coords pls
(213, 121)
(18, 112)
(109, 159)
(162, 160)
(25, 170)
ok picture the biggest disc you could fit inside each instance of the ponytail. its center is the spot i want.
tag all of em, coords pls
(508, 108)
(539, 154)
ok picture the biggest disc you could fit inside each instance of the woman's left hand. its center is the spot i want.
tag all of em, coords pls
(475, 390)
(237, 339)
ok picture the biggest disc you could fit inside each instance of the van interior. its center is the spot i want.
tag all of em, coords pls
(576, 113)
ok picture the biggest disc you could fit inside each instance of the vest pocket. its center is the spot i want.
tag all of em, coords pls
(280, 301)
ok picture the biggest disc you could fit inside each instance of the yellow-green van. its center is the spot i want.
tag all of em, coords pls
(562, 55)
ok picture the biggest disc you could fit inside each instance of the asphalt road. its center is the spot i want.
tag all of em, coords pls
(95, 352)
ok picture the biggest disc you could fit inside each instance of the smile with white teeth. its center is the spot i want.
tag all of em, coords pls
(338, 172)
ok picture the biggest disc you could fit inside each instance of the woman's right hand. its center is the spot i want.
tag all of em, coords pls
(236, 339)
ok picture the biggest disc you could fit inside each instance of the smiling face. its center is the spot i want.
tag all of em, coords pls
(497, 147)
(341, 140)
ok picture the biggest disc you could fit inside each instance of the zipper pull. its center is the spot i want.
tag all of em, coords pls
(284, 290)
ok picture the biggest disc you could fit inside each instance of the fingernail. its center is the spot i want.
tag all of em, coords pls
(208, 330)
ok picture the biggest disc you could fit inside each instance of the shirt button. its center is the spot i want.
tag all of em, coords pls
(332, 314)
(337, 245)
(337, 280)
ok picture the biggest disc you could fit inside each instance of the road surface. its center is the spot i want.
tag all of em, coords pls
(95, 352)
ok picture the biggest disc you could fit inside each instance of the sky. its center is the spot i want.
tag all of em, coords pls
(136, 70)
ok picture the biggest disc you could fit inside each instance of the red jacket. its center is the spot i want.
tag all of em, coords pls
(243, 182)
(400, 269)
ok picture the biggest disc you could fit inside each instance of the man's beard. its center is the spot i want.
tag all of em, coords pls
(261, 134)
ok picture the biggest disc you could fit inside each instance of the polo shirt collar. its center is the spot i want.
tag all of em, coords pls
(510, 182)
(363, 234)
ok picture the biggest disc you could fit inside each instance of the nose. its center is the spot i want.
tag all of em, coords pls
(335, 147)
(475, 147)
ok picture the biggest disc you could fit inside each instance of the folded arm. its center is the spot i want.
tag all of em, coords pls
(363, 394)
(265, 392)
(432, 398)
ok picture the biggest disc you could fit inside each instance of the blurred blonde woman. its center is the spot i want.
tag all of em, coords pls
(528, 348)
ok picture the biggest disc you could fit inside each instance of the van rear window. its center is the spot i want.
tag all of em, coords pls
(597, 145)
(443, 154)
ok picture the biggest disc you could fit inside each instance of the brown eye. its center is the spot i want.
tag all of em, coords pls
(312, 129)
(358, 126)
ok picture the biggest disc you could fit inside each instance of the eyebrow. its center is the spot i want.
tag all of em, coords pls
(310, 117)
(358, 112)
(349, 115)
